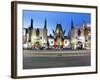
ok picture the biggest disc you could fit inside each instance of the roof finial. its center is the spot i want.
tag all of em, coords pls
(72, 26)
(45, 25)
(31, 23)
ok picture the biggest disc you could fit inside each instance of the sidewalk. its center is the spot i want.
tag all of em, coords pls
(56, 53)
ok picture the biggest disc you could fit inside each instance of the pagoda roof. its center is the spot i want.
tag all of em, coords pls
(59, 26)
(50, 36)
(66, 37)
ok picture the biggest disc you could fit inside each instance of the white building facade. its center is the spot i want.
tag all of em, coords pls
(78, 38)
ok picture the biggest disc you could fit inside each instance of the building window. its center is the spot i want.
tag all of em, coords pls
(37, 32)
(51, 42)
(40, 37)
(65, 42)
(89, 38)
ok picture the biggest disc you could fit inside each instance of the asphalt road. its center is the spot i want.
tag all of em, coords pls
(50, 59)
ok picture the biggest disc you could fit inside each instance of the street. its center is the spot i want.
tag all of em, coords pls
(49, 58)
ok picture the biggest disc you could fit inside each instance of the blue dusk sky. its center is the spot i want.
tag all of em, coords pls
(54, 18)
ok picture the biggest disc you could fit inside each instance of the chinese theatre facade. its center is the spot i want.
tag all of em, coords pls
(38, 38)
(59, 39)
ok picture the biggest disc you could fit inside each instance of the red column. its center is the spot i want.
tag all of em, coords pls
(54, 43)
(62, 43)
